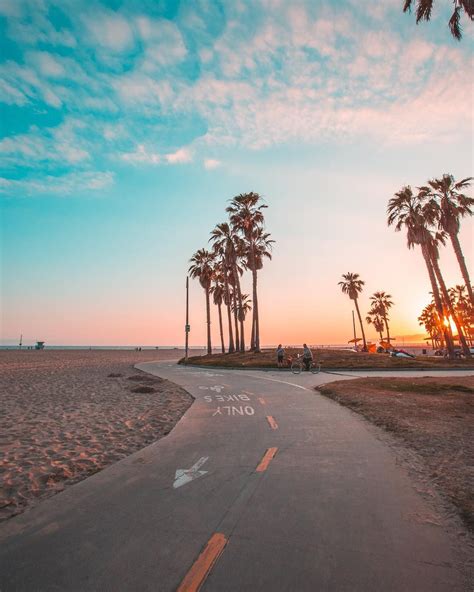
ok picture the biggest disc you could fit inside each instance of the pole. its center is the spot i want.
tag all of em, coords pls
(187, 321)
(21, 340)
(354, 327)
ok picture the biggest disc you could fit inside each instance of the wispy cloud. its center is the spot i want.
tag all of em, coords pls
(67, 184)
(142, 155)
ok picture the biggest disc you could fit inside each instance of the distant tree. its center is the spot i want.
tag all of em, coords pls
(352, 285)
(202, 269)
(218, 294)
(425, 7)
(374, 318)
(381, 302)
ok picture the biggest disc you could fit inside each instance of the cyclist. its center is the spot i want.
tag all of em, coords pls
(307, 357)
(280, 355)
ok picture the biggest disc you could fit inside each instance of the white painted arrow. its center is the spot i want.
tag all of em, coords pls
(184, 476)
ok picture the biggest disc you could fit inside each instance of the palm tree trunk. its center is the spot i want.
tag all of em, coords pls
(240, 346)
(361, 325)
(386, 327)
(462, 264)
(208, 312)
(236, 321)
(255, 310)
(229, 314)
(437, 298)
(449, 306)
(252, 334)
(221, 328)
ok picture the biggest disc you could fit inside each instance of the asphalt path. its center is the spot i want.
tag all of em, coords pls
(263, 485)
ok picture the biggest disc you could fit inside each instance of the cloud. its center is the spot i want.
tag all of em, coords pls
(109, 29)
(141, 155)
(211, 163)
(180, 156)
(60, 145)
(63, 184)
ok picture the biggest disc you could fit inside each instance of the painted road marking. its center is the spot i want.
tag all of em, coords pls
(247, 393)
(226, 398)
(272, 422)
(202, 566)
(267, 457)
(231, 410)
(183, 476)
(283, 382)
(262, 401)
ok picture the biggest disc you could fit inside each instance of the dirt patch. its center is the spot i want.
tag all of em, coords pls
(143, 389)
(432, 416)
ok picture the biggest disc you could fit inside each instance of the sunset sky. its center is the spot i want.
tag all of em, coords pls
(127, 125)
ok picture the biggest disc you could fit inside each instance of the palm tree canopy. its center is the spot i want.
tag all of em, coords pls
(245, 212)
(351, 285)
(381, 302)
(447, 201)
(425, 7)
(202, 267)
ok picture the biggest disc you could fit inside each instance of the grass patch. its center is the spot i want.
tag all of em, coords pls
(330, 359)
(432, 416)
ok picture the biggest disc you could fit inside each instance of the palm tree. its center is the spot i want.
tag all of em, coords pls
(246, 306)
(424, 8)
(202, 268)
(449, 206)
(405, 210)
(374, 318)
(352, 286)
(381, 302)
(231, 247)
(218, 293)
(439, 238)
(464, 310)
(246, 217)
(430, 320)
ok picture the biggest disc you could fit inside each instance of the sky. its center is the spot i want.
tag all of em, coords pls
(126, 126)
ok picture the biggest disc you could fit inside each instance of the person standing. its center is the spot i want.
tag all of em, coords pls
(280, 355)
(307, 357)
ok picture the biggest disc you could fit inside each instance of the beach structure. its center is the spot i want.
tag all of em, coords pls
(39, 345)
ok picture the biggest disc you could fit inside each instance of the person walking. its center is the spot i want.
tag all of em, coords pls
(307, 357)
(280, 355)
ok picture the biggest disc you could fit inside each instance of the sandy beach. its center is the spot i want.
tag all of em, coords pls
(66, 414)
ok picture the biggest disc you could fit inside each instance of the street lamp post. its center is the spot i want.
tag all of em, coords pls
(187, 327)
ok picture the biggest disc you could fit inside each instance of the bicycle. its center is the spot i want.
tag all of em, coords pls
(298, 364)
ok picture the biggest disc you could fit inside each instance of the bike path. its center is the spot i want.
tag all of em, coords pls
(331, 511)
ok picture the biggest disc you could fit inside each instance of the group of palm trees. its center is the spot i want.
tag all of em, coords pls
(464, 310)
(238, 245)
(430, 216)
(380, 305)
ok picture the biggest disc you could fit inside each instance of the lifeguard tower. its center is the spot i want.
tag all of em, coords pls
(39, 345)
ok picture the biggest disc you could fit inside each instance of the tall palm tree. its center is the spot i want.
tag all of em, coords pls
(352, 286)
(405, 210)
(231, 247)
(381, 302)
(202, 269)
(218, 293)
(246, 216)
(374, 318)
(222, 265)
(449, 206)
(425, 7)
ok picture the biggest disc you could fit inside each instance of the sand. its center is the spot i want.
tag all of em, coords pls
(66, 414)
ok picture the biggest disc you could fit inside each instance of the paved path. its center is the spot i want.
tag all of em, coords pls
(298, 495)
